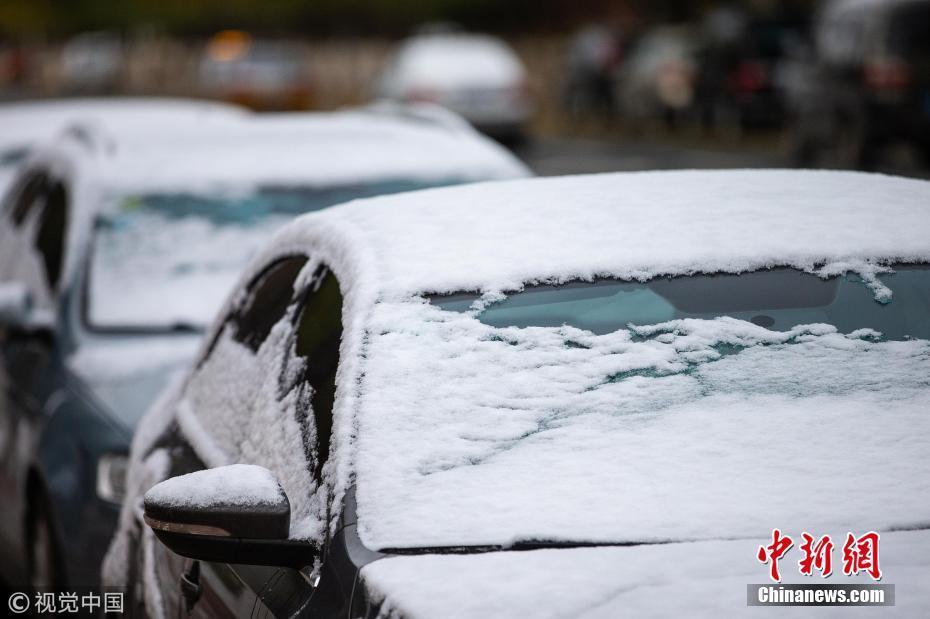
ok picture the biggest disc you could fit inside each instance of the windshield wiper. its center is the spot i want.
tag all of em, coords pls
(516, 546)
(175, 327)
(185, 327)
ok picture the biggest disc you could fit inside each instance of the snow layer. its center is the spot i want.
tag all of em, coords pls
(705, 579)
(128, 372)
(31, 122)
(235, 154)
(324, 149)
(14, 297)
(162, 271)
(636, 225)
(692, 429)
(237, 408)
(121, 358)
(236, 484)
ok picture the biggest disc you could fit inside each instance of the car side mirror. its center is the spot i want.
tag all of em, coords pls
(15, 304)
(231, 514)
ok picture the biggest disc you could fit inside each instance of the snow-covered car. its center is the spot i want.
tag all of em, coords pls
(477, 76)
(578, 396)
(267, 75)
(26, 124)
(93, 62)
(118, 249)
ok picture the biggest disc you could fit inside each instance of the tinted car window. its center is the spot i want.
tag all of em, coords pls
(50, 239)
(31, 194)
(319, 332)
(271, 294)
(776, 299)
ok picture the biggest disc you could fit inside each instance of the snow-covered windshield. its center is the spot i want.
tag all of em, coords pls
(777, 299)
(167, 261)
(697, 407)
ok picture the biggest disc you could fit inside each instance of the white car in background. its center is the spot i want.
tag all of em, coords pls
(475, 75)
(119, 247)
(585, 396)
(26, 124)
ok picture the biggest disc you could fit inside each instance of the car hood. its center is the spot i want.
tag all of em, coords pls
(698, 579)
(128, 373)
(693, 429)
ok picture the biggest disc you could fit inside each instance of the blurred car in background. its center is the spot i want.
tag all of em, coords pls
(92, 62)
(476, 76)
(741, 64)
(13, 66)
(393, 413)
(260, 74)
(28, 123)
(118, 246)
(659, 74)
(868, 85)
(595, 55)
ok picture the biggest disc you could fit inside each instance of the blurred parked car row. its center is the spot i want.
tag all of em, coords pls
(842, 80)
(122, 230)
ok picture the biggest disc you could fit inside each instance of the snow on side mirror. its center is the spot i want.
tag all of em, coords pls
(232, 514)
(15, 304)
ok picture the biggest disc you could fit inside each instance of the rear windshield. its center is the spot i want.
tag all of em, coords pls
(776, 299)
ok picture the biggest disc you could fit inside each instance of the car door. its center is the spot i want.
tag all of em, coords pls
(263, 394)
(34, 230)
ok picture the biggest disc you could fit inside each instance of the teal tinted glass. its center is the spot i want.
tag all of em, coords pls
(777, 299)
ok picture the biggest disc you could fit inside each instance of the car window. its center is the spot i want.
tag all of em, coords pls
(319, 332)
(267, 303)
(32, 246)
(264, 392)
(50, 237)
(30, 196)
(776, 299)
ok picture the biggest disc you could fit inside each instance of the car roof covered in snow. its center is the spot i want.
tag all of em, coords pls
(499, 236)
(361, 145)
(29, 122)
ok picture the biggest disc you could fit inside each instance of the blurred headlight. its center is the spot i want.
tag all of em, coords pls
(111, 477)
